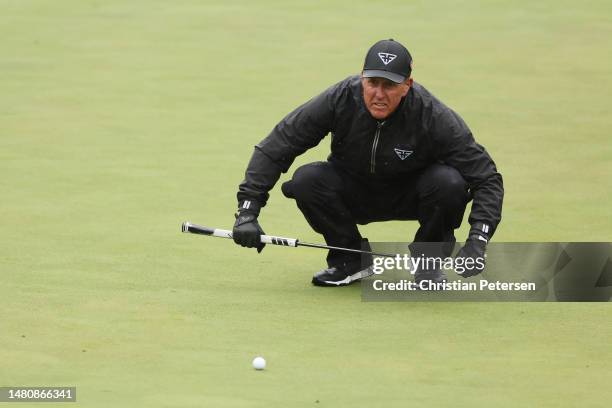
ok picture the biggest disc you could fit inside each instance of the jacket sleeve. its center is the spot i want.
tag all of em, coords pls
(299, 131)
(455, 146)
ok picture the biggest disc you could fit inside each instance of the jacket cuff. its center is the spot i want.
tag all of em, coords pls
(481, 231)
(249, 206)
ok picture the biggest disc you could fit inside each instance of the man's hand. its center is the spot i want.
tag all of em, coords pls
(247, 231)
(475, 247)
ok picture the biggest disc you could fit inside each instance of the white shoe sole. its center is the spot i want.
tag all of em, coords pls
(352, 278)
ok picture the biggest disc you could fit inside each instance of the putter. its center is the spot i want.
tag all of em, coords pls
(190, 228)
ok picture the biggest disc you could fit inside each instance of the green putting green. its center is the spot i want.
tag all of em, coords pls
(121, 119)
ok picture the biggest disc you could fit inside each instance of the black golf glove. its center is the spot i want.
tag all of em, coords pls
(475, 248)
(247, 231)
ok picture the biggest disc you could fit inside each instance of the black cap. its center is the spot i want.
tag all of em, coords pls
(388, 59)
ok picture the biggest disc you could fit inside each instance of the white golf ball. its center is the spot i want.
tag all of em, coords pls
(259, 363)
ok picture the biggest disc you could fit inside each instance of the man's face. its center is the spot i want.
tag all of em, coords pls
(382, 96)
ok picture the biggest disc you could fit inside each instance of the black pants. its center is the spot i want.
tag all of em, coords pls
(334, 202)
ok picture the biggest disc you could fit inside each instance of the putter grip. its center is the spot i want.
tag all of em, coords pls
(196, 229)
(269, 239)
(221, 233)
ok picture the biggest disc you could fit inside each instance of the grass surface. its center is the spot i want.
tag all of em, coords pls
(121, 119)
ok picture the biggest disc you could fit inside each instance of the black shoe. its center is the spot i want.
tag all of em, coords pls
(433, 275)
(340, 277)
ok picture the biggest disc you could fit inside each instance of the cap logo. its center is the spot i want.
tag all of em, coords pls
(386, 58)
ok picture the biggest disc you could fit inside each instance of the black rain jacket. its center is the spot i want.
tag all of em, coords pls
(422, 127)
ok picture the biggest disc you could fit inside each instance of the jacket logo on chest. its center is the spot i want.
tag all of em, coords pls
(403, 154)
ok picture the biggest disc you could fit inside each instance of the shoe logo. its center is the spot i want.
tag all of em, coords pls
(403, 154)
(386, 58)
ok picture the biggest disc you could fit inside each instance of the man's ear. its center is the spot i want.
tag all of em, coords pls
(408, 83)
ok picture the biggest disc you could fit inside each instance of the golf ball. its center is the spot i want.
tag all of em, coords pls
(259, 363)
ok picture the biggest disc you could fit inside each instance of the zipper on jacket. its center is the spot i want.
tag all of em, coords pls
(374, 146)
